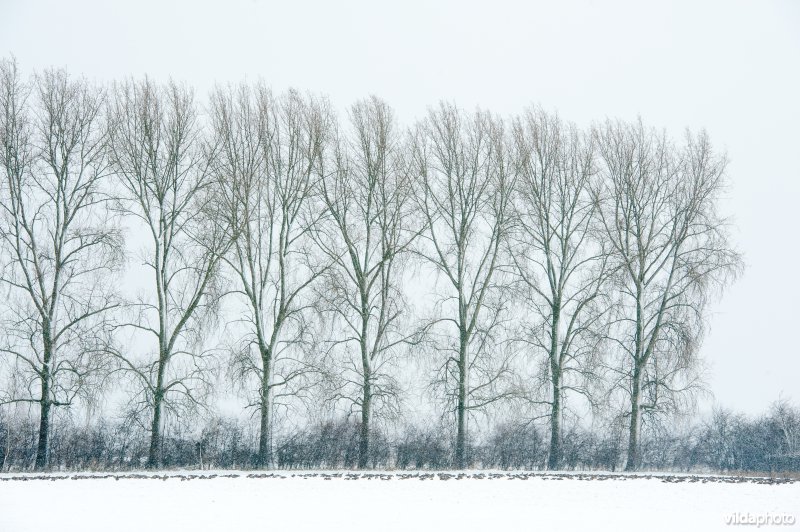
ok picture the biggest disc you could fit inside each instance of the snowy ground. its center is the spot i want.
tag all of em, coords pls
(485, 501)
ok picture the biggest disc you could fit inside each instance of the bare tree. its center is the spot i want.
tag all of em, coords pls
(465, 198)
(266, 181)
(558, 258)
(367, 236)
(658, 208)
(58, 241)
(156, 149)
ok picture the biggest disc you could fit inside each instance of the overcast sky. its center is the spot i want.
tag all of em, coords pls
(732, 67)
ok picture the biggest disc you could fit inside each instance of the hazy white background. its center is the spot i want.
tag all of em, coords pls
(732, 67)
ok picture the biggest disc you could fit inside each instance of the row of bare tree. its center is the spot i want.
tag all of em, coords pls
(520, 263)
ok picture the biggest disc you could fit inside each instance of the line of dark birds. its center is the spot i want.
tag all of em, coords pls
(730, 479)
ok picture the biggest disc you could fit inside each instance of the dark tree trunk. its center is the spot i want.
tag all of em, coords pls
(461, 408)
(554, 457)
(632, 463)
(154, 455)
(43, 446)
(364, 443)
(366, 392)
(265, 437)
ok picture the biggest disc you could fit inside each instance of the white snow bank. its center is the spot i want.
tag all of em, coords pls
(404, 504)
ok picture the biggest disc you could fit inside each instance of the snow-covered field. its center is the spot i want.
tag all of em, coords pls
(485, 501)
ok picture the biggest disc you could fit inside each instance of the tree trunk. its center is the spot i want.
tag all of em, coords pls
(265, 435)
(43, 446)
(366, 406)
(461, 409)
(154, 456)
(366, 399)
(633, 434)
(554, 458)
(6, 449)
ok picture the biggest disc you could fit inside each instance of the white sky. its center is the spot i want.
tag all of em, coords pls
(732, 67)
